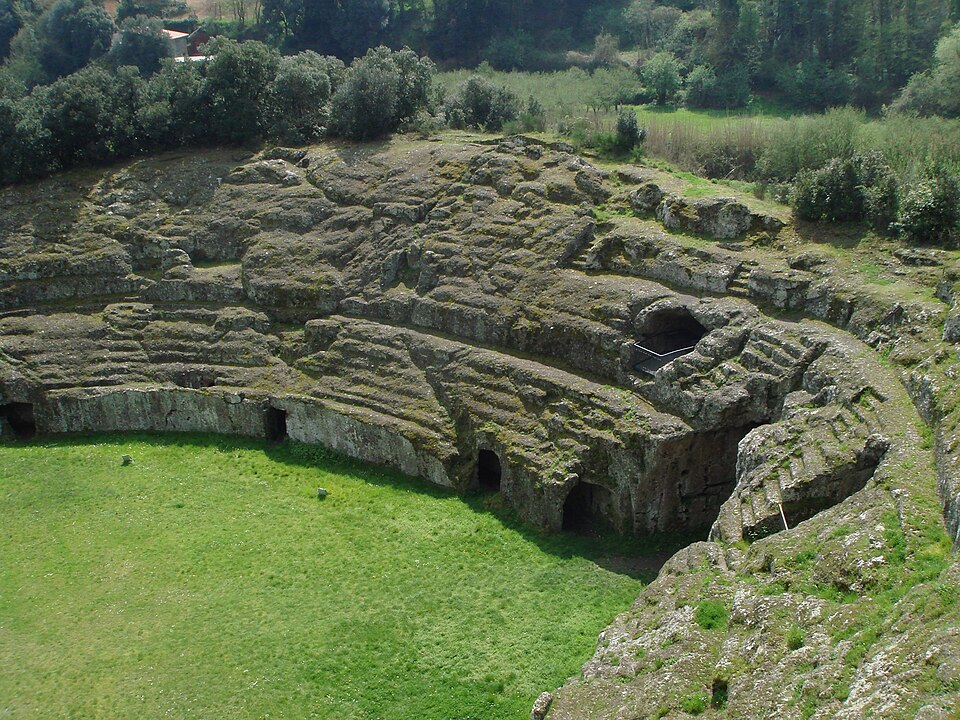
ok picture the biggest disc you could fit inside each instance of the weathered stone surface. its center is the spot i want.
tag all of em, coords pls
(541, 706)
(720, 217)
(646, 198)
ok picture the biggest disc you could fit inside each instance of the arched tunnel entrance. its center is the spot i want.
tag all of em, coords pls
(665, 335)
(489, 471)
(583, 510)
(20, 418)
(669, 330)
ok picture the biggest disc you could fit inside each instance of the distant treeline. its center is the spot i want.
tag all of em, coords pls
(810, 53)
(246, 91)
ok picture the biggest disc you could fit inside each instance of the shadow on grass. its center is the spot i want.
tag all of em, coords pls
(638, 558)
(846, 236)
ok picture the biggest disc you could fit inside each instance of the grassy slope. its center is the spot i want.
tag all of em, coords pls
(206, 580)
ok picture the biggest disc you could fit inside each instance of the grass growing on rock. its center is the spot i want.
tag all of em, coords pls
(207, 580)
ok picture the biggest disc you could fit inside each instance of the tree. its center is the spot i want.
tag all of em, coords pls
(460, 27)
(606, 50)
(689, 38)
(663, 21)
(168, 115)
(150, 8)
(815, 85)
(10, 23)
(937, 90)
(613, 87)
(638, 21)
(662, 74)
(344, 29)
(510, 52)
(24, 142)
(22, 69)
(300, 96)
(141, 43)
(358, 26)
(236, 88)
(478, 103)
(365, 106)
(381, 90)
(724, 49)
(77, 114)
(415, 82)
(700, 87)
(71, 34)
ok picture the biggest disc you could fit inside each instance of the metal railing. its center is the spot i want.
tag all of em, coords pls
(651, 361)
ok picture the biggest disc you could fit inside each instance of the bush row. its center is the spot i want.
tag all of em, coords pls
(864, 189)
(245, 91)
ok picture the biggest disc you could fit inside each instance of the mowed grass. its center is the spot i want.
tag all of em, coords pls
(206, 580)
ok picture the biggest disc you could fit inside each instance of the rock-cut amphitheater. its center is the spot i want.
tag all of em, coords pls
(601, 349)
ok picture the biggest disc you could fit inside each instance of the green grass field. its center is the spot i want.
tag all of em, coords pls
(207, 580)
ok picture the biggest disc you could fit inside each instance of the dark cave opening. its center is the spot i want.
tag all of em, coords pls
(670, 330)
(489, 471)
(20, 418)
(583, 508)
(276, 424)
(664, 336)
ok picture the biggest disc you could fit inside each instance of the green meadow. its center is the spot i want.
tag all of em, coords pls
(207, 580)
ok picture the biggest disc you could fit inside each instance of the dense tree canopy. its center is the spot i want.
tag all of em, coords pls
(10, 23)
(245, 92)
(71, 34)
(141, 43)
(937, 91)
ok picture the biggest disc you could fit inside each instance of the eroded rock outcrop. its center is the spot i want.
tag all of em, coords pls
(431, 306)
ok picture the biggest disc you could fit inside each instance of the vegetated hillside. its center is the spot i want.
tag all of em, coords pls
(627, 347)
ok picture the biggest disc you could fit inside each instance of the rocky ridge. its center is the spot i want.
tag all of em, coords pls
(417, 303)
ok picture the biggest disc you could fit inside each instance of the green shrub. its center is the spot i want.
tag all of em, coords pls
(711, 615)
(700, 87)
(629, 133)
(931, 211)
(855, 189)
(720, 693)
(808, 143)
(533, 119)
(795, 638)
(478, 103)
(880, 190)
(381, 90)
(694, 704)
(829, 194)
